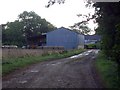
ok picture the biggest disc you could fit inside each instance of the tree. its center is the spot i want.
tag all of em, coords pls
(12, 34)
(108, 16)
(34, 24)
(29, 24)
(116, 47)
(82, 28)
(51, 2)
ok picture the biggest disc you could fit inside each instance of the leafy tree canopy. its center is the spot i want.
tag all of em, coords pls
(108, 18)
(28, 24)
(34, 24)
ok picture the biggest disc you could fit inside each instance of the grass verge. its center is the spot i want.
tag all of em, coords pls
(108, 70)
(9, 65)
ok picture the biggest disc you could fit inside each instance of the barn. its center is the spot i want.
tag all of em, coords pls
(66, 38)
(92, 39)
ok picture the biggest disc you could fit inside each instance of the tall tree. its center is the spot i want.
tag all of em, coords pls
(12, 34)
(29, 24)
(108, 16)
(34, 24)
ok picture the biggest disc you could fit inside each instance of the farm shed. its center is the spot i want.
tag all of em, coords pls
(66, 38)
(92, 39)
(37, 40)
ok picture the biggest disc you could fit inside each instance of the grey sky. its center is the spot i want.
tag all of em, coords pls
(59, 15)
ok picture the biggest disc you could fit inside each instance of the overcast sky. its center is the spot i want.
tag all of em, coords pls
(59, 15)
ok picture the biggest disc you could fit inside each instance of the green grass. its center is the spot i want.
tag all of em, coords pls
(108, 70)
(9, 65)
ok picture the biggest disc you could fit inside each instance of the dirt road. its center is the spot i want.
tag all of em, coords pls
(73, 72)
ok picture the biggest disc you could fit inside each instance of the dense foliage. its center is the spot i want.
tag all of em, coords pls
(12, 34)
(28, 24)
(108, 19)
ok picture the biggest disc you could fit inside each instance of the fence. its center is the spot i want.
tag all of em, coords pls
(10, 53)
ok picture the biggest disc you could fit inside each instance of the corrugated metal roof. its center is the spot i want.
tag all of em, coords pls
(66, 29)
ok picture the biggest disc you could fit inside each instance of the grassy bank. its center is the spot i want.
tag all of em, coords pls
(9, 65)
(108, 70)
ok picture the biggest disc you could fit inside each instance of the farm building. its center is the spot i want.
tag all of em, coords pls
(66, 38)
(37, 40)
(92, 39)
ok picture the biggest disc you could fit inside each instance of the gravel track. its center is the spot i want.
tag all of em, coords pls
(73, 72)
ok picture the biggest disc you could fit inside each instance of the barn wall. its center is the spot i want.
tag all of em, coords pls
(80, 40)
(62, 37)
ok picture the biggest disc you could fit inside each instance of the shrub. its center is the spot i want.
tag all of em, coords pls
(91, 46)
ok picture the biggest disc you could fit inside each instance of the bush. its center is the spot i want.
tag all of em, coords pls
(91, 46)
(108, 70)
(116, 53)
